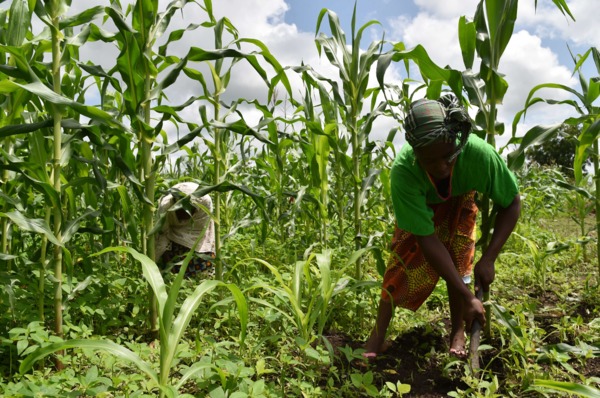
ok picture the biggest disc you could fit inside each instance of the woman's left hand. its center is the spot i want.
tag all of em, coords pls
(485, 273)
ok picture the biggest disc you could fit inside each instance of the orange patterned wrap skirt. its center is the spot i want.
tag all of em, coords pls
(409, 279)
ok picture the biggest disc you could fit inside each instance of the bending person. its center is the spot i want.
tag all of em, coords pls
(434, 179)
(181, 230)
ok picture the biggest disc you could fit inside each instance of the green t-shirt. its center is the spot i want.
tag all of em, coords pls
(478, 168)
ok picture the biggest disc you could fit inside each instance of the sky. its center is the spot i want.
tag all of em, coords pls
(537, 52)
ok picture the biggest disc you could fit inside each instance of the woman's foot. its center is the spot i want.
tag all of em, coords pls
(376, 342)
(457, 344)
(374, 348)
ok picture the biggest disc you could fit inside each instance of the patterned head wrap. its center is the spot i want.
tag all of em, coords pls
(444, 120)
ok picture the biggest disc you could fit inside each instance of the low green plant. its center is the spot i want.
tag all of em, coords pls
(364, 381)
(539, 256)
(307, 295)
(579, 390)
(479, 387)
(171, 327)
(581, 205)
(306, 299)
(23, 341)
(398, 389)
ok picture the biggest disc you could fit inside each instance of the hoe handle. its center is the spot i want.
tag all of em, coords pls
(475, 338)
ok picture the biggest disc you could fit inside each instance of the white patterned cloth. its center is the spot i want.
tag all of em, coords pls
(186, 232)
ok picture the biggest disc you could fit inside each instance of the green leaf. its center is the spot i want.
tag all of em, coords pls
(312, 353)
(117, 17)
(279, 70)
(36, 225)
(563, 7)
(356, 379)
(150, 271)
(163, 19)
(367, 183)
(427, 67)
(240, 127)
(39, 89)
(501, 15)
(7, 257)
(18, 23)
(169, 79)
(563, 386)
(475, 87)
(100, 345)
(586, 139)
(73, 226)
(21, 69)
(505, 319)
(191, 371)
(24, 128)
(582, 191)
(227, 187)
(467, 39)
(82, 18)
(188, 308)
(537, 135)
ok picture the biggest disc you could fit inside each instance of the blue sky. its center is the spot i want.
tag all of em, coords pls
(304, 12)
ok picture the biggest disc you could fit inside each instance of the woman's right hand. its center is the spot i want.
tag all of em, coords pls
(474, 310)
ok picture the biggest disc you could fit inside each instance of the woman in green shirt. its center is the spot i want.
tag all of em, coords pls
(434, 180)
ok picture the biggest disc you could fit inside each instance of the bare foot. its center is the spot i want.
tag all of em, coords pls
(457, 344)
(373, 345)
(373, 350)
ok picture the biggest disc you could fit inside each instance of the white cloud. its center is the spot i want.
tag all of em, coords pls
(438, 36)
(255, 18)
(448, 9)
(548, 21)
(527, 64)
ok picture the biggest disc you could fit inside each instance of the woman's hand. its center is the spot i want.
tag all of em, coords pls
(485, 272)
(474, 311)
(506, 219)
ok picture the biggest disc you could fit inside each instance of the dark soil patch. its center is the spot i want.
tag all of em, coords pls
(592, 367)
(587, 311)
(414, 358)
(545, 298)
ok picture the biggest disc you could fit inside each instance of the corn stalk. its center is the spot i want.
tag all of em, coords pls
(354, 68)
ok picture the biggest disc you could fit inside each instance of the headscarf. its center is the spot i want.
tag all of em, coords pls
(444, 120)
(186, 232)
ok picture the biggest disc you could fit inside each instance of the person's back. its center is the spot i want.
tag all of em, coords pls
(184, 229)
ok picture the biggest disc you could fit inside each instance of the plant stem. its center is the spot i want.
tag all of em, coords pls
(56, 172)
(42, 278)
(487, 215)
(597, 180)
(218, 159)
(356, 157)
(340, 196)
(8, 147)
